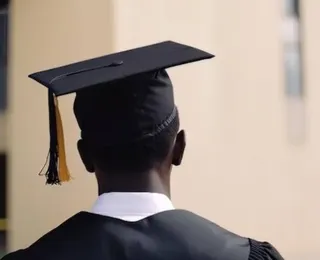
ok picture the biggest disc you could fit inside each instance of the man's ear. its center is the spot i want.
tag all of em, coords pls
(85, 156)
(178, 149)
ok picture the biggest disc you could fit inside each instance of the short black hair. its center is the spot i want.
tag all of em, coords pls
(137, 157)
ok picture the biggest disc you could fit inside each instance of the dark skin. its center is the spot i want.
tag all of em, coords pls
(156, 180)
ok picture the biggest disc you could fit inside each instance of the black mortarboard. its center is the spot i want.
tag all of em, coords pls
(120, 98)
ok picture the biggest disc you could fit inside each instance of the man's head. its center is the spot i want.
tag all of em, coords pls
(154, 154)
(130, 128)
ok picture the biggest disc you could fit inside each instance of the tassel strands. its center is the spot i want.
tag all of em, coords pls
(57, 169)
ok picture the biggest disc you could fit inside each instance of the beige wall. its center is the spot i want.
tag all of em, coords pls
(240, 169)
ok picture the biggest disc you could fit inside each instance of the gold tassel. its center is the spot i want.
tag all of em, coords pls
(63, 171)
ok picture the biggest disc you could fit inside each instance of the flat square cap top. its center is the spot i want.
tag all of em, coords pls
(77, 76)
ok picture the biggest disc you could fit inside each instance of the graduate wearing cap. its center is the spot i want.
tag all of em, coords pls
(130, 139)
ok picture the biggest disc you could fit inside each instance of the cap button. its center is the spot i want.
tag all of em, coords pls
(116, 63)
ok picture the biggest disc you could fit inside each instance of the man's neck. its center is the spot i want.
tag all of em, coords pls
(150, 182)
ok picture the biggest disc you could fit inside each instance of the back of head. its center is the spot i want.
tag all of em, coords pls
(140, 156)
(129, 125)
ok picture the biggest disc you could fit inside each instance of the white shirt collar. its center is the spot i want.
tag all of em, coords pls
(131, 206)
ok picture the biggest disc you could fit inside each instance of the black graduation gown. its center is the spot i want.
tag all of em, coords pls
(170, 235)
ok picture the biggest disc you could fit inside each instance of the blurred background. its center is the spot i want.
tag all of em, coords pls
(251, 114)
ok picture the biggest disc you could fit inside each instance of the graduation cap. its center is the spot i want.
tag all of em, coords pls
(120, 98)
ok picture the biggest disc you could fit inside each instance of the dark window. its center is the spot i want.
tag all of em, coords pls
(292, 7)
(4, 3)
(292, 48)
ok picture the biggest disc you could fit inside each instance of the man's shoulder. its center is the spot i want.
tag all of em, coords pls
(234, 243)
(52, 239)
(202, 234)
(197, 221)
